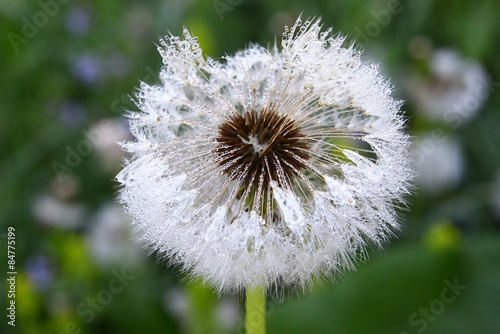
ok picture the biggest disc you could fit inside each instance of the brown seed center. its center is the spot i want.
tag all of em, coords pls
(261, 147)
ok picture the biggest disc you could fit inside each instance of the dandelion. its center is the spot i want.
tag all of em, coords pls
(454, 90)
(272, 168)
(439, 163)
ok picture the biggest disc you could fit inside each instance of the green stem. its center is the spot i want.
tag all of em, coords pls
(255, 306)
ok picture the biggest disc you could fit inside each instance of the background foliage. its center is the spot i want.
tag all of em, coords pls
(68, 70)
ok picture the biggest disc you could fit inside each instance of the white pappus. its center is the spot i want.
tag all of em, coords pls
(272, 167)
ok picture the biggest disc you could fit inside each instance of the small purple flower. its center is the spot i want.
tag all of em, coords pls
(40, 271)
(78, 20)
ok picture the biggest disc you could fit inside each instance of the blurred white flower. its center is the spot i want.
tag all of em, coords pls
(52, 211)
(109, 238)
(495, 199)
(228, 313)
(276, 166)
(454, 90)
(109, 133)
(176, 302)
(65, 187)
(440, 165)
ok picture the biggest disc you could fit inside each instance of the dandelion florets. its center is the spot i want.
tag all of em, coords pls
(276, 165)
(263, 145)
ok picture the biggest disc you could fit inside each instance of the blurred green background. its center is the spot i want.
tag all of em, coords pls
(68, 69)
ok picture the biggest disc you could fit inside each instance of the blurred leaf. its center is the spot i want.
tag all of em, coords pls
(383, 295)
(203, 303)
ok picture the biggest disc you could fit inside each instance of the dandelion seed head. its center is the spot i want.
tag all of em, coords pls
(274, 166)
(455, 88)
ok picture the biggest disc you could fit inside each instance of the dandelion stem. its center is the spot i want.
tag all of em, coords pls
(255, 306)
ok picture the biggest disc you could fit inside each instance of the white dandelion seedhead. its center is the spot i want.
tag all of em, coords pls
(275, 166)
(454, 90)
